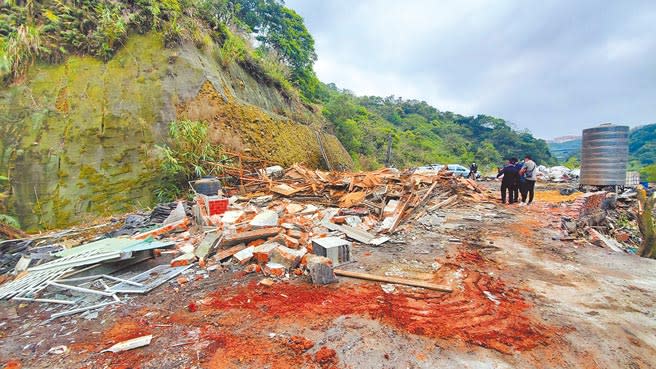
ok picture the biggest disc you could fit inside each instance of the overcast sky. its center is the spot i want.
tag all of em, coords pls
(554, 67)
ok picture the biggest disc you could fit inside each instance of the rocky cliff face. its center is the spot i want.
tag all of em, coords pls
(80, 139)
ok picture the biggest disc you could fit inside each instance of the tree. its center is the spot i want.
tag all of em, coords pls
(572, 163)
(646, 225)
(486, 153)
(648, 173)
(283, 30)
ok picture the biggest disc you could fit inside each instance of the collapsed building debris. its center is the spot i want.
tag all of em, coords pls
(605, 219)
(263, 244)
(288, 214)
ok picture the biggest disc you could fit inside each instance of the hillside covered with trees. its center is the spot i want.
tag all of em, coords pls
(642, 151)
(49, 31)
(421, 134)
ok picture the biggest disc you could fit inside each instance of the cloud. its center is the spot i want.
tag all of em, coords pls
(554, 67)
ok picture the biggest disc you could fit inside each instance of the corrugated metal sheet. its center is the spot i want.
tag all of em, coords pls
(604, 155)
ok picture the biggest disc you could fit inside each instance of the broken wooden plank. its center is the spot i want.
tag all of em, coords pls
(246, 237)
(606, 241)
(398, 217)
(394, 280)
(287, 190)
(182, 224)
(444, 203)
(351, 199)
(130, 344)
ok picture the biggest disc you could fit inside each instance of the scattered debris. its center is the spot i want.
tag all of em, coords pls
(282, 223)
(58, 350)
(321, 269)
(130, 344)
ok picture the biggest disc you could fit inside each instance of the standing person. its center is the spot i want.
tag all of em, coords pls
(529, 171)
(509, 181)
(520, 178)
(473, 168)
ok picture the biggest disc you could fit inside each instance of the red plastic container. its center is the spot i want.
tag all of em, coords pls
(214, 205)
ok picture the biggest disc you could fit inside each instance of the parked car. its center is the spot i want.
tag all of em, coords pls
(458, 170)
(428, 168)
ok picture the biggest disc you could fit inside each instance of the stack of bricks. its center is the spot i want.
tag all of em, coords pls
(589, 207)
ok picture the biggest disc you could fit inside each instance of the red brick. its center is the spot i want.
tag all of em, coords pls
(263, 252)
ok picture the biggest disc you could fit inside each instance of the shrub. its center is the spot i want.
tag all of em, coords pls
(21, 49)
(188, 155)
(234, 49)
(9, 220)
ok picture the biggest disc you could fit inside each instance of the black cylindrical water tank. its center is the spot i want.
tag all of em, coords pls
(209, 186)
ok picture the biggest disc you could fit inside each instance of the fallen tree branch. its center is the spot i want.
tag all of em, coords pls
(10, 232)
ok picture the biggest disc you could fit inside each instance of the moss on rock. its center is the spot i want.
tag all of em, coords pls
(80, 137)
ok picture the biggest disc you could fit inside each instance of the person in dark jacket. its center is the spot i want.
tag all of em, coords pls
(509, 182)
(517, 185)
(473, 168)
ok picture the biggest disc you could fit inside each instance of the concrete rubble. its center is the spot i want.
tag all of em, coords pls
(274, 230)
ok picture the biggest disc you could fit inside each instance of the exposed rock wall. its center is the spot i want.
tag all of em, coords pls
(79, 139)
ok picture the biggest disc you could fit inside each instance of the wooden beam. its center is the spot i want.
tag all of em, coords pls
(224, 254)
(245, 237)
(402, 281)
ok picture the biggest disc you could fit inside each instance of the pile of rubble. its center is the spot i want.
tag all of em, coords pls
(605, 219)
(291, 224)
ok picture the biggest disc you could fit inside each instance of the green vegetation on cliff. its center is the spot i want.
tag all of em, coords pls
(50, 30)
(642, 144)
(421, 134)
(78, 139)
(91, 88)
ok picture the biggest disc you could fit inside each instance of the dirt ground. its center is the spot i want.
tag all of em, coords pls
(522, 299)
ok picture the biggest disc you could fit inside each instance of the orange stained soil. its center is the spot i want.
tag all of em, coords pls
(13, 364)
(326, 357)
(555, 197)
(243, 350)
(299, 344)
(527, 227)
(496, 320)
(124, 329)
(235, 322)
